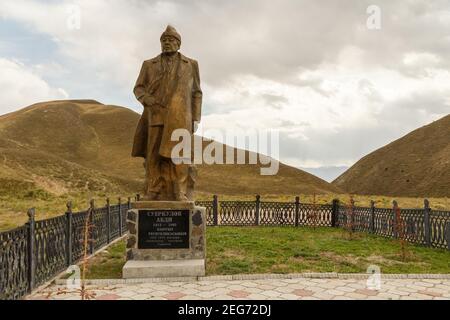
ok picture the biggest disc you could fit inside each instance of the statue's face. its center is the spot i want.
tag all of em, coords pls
(169, 44)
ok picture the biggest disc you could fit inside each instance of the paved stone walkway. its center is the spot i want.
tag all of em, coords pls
(299, 288)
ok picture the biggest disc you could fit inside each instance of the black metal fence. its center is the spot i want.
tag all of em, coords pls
(36, 252)
(421, 226)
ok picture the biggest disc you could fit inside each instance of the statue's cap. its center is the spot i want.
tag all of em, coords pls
(170, 31)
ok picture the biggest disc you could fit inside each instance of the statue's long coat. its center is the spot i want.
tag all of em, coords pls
(177, 109)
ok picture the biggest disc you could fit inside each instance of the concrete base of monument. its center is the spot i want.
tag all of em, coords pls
(139, 269)
(165, 239)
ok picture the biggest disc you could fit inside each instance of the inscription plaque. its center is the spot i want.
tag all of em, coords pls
(163, 229)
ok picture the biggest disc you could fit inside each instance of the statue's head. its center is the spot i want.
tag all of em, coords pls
(170, 40)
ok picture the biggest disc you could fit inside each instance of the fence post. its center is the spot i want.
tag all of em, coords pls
(426, 221)
(334, 212)
(352, 214)
(394, 211)
(91, 226)
(108, 220)
(215, 208)
(448, 235)
(372, 217)
(297, 210)
(31, 257)
(138, 197)
(69, 234)
(257, 205)
(120, 217)
(129, 203)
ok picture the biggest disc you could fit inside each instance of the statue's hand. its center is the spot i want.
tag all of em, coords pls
(149, 101)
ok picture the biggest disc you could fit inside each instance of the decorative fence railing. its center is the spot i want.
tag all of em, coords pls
(36, 252)
(421, 226)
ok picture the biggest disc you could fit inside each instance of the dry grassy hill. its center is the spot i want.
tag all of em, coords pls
(417, 164)
(83, 145)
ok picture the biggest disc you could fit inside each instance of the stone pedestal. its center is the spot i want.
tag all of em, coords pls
(166, 239)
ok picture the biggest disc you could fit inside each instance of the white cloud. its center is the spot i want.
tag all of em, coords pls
(333, 88)
(21, 87)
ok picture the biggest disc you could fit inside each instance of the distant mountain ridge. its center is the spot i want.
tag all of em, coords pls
(84, 145)
(327, 173)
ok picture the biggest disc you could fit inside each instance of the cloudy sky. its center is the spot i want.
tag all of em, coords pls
(334, 88)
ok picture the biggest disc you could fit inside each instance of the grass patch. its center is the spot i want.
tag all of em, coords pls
(244, 250)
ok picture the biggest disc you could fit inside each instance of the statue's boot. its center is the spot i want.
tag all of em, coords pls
(181, 197)
(151, 196)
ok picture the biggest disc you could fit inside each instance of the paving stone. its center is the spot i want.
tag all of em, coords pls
(420, 296)
(329, 285)
(315, 289)
(345, 289)
(375, 298)
(356, 285)
(126, 294)
(335, 292)
(174, 295)
(294, 286)
(288, 296)
(145, 290)
(193, 291)
(283, 289)
(220, 284)
(399, 293)
(257, 296)
(271, 293)
(265, 287)
(141, 297)
(434, 281)
(203, 288)
(37, 297)
(248, 284)
(355, 295)
(366, 292)
(290, 280)
(341, 298)
(175, 284)
(255, 290)
(110, 296)
(323, 296)
(236, 287)
(409, 289)
(444, 287)
(424, 284)
(191, 285)
(388, 296)
(223, 297)
(159, 293)
(430, 292)
(303, 293)
(238, 293)
(207, 294)
(190, 297)
(408, 298)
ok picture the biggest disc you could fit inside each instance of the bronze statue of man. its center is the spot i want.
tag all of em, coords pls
(168, 87)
